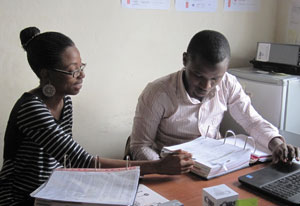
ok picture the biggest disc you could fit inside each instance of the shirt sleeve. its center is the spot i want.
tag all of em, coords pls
(148, 114)
(37, 123)
(240, 108)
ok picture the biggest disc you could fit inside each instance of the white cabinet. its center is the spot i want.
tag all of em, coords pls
(275, 96)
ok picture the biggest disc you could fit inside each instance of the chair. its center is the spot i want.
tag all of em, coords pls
(127, 149)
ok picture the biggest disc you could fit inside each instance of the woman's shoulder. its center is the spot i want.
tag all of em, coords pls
(27, 99)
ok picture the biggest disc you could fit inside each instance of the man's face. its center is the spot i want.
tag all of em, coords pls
(200, 77)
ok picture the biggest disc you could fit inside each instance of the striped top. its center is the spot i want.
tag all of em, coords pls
(35, 144)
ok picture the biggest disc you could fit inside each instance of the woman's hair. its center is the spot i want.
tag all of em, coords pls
(44, 50)
(210, 45)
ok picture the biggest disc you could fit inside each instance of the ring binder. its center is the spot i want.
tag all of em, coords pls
(215, 157)
(97, 163)
(254, 144)
(127, 161)
(207, 131)
(233, 134)
(65, 161)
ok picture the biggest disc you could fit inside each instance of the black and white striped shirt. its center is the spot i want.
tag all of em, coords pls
(35, 144)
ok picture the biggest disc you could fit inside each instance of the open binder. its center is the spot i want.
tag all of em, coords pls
(218, 157)
(71, 187)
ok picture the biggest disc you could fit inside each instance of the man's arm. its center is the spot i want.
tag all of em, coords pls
(254, 124)
(148, 114)
(240, 108)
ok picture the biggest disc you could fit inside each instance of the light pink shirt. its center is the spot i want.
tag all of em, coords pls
(166, 115)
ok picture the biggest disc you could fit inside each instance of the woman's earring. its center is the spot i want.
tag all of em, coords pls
(49, 90)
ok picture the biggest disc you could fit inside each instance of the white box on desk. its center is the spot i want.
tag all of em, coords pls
(219, 195)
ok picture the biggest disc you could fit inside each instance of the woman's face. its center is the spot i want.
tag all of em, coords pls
(66, 84)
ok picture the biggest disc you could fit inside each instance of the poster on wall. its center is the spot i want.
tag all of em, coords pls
(196, 5)
(146, 4)
(293, 31)
(241, 5)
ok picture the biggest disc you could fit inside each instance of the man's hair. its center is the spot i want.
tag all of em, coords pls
(212, 46)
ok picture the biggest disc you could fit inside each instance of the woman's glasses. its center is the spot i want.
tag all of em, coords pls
(76, 73)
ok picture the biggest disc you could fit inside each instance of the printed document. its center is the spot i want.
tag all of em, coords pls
(147, 197)
(196, 5)
(146, 4)
(213, 157)
(101, 186)
(241, 5)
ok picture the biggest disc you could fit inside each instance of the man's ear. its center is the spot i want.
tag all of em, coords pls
(184, 58)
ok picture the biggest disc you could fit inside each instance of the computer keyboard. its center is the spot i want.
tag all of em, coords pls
(286, 187)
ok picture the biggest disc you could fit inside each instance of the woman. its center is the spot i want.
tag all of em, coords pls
(39, 131)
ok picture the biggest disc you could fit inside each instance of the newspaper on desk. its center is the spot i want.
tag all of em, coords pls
(89, 186)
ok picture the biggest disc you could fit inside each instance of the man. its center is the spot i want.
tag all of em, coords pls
(191, 102)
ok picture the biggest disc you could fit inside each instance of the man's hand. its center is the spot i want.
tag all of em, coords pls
(178, 162)
(282, 152)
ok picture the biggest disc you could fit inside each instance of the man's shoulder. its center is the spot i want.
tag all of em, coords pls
(229, 77)
(166, 78)
(166, 82)
(228, 80)
(163, 87)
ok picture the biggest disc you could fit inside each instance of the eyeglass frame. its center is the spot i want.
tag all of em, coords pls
(77, 71)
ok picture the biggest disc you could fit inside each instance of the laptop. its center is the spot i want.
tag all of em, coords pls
(280, 182)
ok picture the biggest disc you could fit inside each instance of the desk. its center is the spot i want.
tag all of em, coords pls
(187, 188)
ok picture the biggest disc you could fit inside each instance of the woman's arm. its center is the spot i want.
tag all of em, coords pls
(178, 163)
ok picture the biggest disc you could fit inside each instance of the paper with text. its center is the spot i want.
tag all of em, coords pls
(147, 197)
(146, 4)
(196, 5)
(261, 152)
(109, 187)
(213, 157)
(241, 5)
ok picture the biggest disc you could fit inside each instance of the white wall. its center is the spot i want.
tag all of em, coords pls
(284, 33)
(124, 50)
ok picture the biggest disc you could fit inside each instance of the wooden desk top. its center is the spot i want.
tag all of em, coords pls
(187, 188)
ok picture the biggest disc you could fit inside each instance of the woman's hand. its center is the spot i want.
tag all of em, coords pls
(178, 162)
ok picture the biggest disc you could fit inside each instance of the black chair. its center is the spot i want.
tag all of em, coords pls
(127, 149)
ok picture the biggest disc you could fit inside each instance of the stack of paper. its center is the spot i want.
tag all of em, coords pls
(212, 157)
(71, 187)
(260, 152)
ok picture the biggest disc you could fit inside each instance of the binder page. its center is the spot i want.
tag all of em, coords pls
(107, 187)
(261, 152)
(209, 151)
